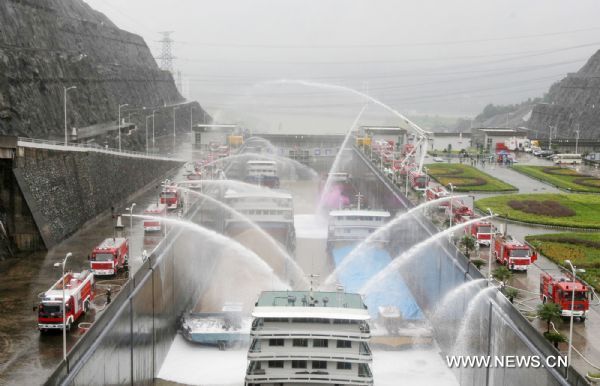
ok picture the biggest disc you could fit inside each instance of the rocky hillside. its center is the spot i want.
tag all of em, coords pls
(573, 102)
(45, 45)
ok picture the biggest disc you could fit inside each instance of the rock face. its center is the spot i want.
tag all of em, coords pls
(48, 45)
(573, 102)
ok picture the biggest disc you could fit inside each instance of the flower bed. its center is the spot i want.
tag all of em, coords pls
(562, 177)
(466, 178)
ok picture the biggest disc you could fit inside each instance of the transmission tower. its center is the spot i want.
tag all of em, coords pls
(166, 56)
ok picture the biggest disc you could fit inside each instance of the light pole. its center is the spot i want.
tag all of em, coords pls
(65, 100)
(147, 117)
(130, 209)
(153, 146)
(64, 302)
(174, 134)
(574, 271)
(577, 139)
(192, 119)
(119, 124)
(490, 254)
(451, 198)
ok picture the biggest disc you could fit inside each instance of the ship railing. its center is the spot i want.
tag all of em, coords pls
(364, 349)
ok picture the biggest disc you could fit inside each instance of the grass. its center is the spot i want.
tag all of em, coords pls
(564, 178)
(466, 178)
(583, 249)
(585, 206)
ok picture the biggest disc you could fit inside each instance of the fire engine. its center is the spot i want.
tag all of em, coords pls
(437, 193)
(79, 294)
(460, 212)
(482, 231)
(154, 210)
(110, 256)
(418, 180)
(513, 253)
(558, 289)
(170, 196)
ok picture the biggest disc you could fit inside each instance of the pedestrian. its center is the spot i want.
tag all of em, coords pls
(108, 293)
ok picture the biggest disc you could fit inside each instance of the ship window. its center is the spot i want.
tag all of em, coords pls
(275, 342)
(320, 343)
(299, 364)
(276, 364)
(344, 344)
(344, 366)
(300, 343)
(319, 364)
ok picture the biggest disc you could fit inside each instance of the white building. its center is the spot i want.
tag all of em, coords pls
(456, 141)
(305, 337)
(215, 135)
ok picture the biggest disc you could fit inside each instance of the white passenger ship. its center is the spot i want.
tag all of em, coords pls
(355, 225)
(306, 337)
(272, 210)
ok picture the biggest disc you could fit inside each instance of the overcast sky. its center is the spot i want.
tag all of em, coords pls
(441, 57)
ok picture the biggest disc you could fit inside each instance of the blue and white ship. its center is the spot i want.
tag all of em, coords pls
(390, 303)
(221, 329)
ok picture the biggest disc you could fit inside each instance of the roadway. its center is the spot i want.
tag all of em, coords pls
(28, 357)
(585, 338)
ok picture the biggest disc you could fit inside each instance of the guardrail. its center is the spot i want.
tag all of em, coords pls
(80, 147)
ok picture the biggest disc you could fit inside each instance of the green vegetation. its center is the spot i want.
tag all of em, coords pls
(549, 313)
(466, 178)
(583, 249)
(563, 178)
(568, 210)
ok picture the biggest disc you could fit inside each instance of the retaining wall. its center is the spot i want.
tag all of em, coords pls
(64, 190)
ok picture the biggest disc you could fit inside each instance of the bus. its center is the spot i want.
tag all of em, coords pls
(569, 159)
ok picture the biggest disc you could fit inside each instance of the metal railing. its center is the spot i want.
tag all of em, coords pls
(83, 147)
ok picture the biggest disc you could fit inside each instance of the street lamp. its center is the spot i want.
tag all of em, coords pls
(65, 100)
(192, 119)
(64, 302)
(490, 254)
(451, 198)
(577, 140)
(574, 271)
(153, 146)
(174, 135)
(119, 124)
(147, 117)
(130, 209)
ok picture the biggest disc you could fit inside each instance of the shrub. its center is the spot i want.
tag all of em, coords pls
(592, 182)
(545, 208)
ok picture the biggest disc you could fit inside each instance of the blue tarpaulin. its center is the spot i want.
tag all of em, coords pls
(391, 291)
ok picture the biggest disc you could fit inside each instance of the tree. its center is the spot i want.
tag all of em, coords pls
(511, 293)
(555, 338)
(478, 263)
(502, 274)
(468, 242)
(549, 313)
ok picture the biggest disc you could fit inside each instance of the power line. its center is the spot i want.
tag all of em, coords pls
(418, 44)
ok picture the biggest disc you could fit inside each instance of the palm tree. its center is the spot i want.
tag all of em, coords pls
(549, 313)
(511, 293)
(478, 263)
(502, 274)
(468, 242)
(555, 338)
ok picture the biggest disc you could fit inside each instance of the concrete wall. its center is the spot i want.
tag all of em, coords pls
(64, 190)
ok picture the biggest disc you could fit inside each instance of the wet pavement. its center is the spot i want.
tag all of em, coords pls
(26, 355)
(585, 336)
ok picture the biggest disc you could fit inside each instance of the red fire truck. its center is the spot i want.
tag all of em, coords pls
(154, 210)
(460, 212)
(418, 180)
(513, 253)
(482, 231)
(170, 196)
(79, 294)
(558, 289)
(437, 193)
(110, 256)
